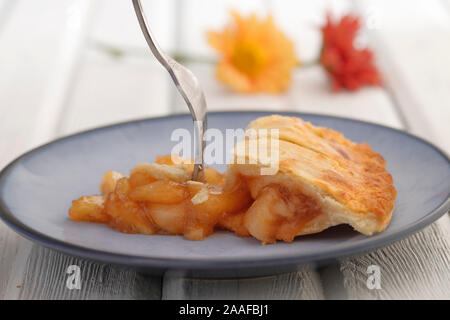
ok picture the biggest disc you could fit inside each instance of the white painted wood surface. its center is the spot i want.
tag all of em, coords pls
(417, 267)
(304, 284)
(72, 79)
(46, 275)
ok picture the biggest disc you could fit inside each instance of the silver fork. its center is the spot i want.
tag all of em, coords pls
(188, 86)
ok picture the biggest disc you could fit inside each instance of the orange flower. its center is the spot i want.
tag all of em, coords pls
(349, 68)
(255, 55)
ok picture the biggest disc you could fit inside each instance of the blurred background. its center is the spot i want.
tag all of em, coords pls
(70, 65)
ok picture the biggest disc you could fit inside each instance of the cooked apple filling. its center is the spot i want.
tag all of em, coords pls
(160, 198)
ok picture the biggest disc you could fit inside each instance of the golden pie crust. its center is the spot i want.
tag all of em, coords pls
(346, 182)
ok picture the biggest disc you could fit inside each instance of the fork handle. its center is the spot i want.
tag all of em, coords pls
(198, 113)
(154, 46)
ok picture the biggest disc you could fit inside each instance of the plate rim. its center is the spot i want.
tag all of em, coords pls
(217, 264)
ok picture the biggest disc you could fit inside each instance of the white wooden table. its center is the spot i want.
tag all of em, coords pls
(68, 65)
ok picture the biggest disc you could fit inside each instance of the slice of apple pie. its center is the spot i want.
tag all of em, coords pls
(321, 180)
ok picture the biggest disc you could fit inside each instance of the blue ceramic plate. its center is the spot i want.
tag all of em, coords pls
(36, 191)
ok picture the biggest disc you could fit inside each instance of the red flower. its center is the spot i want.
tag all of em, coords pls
(349, 68)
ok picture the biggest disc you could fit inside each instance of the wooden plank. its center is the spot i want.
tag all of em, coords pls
(408, 43)
(6, 8)
(304, 284)
(9, 245)
(301, 21)
(46, 276)
(126, 35)
(309, 92)
(417, 267)
(111, 89)
(446, 5)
